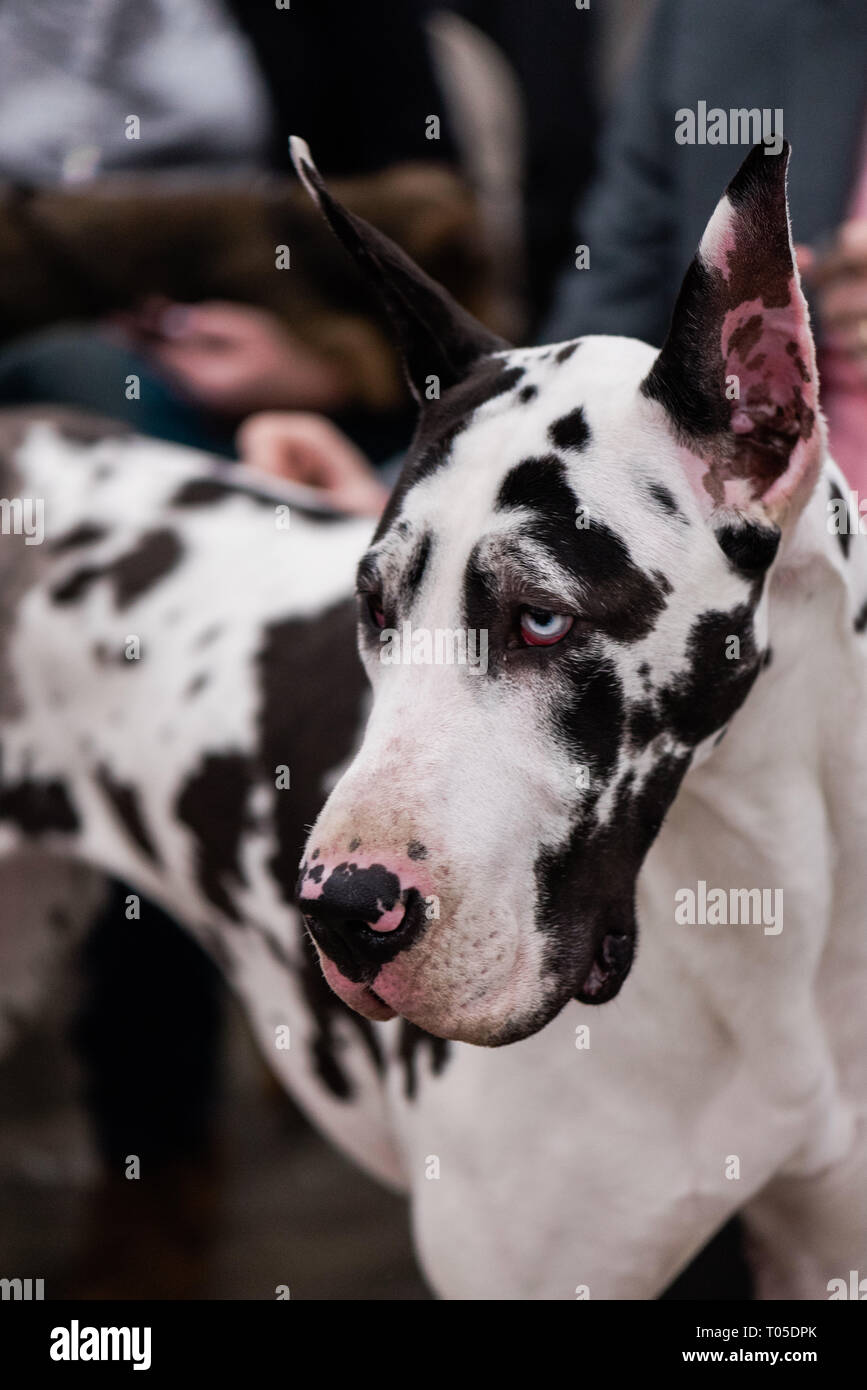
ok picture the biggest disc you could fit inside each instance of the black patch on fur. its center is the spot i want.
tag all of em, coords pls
(196, 684)
(416, 850)
(307, 720)
(749, 548)
(698, 702)
(208, 492)
(644, 724)
(212, 803)
(570, 431)
(844, 538)
(85, 534)
(440, 422)
(412, 1042)
(124, 802)
(566, 352)
(527, 394)
(861, 618)
(327, 1009)
(38, 808)
(154, 556)
(586, 890)
(665, 499)
(590, 719)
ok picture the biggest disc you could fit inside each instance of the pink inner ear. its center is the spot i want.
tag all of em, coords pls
(763, 349)
(766, 344)
(769, 351)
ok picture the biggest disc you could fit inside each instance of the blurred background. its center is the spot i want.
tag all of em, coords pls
(151, 229)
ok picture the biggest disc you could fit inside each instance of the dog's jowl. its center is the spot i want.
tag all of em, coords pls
(482, 956)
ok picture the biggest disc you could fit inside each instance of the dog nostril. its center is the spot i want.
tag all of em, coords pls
(353, 924)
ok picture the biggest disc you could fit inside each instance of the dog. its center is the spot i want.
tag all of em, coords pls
(484, 985)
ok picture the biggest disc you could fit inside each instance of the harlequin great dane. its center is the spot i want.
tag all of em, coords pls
(669, 710)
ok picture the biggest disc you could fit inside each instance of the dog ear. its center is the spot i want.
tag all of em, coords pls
(435, 335)
(737, 372)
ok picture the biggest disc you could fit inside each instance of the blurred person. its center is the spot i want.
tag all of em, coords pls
(217, 86)
(646, 211)
(553, 50)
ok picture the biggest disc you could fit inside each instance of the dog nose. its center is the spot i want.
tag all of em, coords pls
(353, 896)
(359, 916)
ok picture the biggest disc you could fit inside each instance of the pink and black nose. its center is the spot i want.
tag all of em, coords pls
(360, 916)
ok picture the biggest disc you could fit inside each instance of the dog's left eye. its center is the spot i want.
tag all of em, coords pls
(539, 628)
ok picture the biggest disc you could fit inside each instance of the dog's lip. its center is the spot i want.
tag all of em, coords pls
(608, 970)
(360, 997)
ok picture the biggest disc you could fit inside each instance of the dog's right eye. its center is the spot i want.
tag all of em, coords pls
(375, 609)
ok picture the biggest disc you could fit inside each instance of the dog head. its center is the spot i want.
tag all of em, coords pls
(560, 612)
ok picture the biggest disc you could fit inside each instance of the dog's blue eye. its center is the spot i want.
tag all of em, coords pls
(539, 628)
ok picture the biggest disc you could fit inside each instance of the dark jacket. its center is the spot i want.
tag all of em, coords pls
(353, 77)
(647, 210)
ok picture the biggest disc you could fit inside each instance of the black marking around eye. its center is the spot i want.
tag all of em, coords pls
(843, 537)
(617, 597)
(570, 431)
(367, 575)
(418, 563)
(124, 802)
(154, 556)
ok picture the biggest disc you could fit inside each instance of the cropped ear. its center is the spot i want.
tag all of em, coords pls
(737, 372)
(435, 335)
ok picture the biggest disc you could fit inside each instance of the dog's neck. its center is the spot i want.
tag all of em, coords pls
(776, 792)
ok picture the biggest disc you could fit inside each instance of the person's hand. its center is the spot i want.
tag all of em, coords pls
(309, 449)
(839, 279)
(232, 358)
